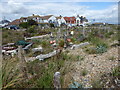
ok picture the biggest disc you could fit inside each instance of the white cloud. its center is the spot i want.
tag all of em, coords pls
(13, 9)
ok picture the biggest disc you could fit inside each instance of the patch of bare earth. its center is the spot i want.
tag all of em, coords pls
(95, 64)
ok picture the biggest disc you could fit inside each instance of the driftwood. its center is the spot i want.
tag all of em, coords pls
(79, 45)
(28, 46)
(37, 37)
(42, 57)
(40, 49)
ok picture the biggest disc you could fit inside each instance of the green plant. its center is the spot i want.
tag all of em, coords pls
(80, 58)
(45, 81)
(116, 72)
(31, 29)
(10, 75)
(75, 85)
(24, 25)
(84, 72)
(101, 48)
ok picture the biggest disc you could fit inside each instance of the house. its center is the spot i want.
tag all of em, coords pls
(15, 22)
(4, 23)
(48, 19)
(23, 19)
(36, 18)
(81, 21)
(60, 20)
(70, 21)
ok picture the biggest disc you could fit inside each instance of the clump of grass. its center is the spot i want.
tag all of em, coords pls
(10, 75)
(80, 58)
(116, 72)
(45, 81)
(84, 72)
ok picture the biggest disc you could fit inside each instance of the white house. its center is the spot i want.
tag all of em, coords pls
(60, 20)
(81, 20)
(48, 19)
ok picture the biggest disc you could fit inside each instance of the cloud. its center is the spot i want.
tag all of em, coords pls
(16, 1)
(13, 9)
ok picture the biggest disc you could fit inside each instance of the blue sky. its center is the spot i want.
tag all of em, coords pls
(100, 11)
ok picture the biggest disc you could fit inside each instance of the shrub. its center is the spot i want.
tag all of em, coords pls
(31, 29)
(101, 48)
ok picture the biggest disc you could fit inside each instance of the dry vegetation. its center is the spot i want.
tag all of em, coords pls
(70, 63)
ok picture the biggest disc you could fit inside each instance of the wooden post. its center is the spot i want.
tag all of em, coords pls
(22, 62)
(56, 81)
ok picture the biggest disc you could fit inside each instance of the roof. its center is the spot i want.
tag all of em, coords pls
(15, 22)
(4, 21)
(70, 19)
(46, 17)
(58, 17)
(33, 16)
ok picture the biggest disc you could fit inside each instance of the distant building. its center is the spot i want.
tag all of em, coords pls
(15, 22)
(70, 21)
(81, 20)
(60, 20)
(56, 20)
(4, 23)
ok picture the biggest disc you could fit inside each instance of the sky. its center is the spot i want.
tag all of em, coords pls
(100, 10)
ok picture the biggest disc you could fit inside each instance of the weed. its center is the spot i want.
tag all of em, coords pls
(84, 72)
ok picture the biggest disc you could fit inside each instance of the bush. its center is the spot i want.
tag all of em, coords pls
(24, 25)
(31, 29)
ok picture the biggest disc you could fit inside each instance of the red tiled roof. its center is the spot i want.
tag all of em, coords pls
(15, 22)
(70, 19)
